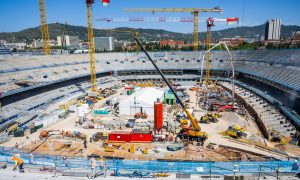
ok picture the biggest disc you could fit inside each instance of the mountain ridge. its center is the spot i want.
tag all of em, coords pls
(56, 29)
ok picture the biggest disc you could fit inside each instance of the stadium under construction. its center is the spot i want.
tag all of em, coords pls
(176, 114)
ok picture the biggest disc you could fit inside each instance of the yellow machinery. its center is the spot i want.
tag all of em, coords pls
(145, 151)
(66, 105)
(44, 27)
(209, 117)
(134, 33)
(132, 149)
(235, 131)
(91, 45)
(194, 11)
(109, 149)
(13, 127)
(192, 133)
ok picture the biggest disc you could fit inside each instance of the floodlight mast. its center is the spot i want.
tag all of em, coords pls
(231, 64)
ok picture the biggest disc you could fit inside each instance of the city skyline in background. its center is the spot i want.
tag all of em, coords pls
(251, 13)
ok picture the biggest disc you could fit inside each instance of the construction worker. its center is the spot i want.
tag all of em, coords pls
(295, 166)
(18, 162)
(93, 164)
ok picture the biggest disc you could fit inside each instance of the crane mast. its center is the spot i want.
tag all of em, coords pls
(195, 11)
(208, 42)
(44, 27)
(91, 45)
(209, 24)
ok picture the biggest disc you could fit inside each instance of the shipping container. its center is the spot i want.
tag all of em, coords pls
(120, 136)
(137, 137)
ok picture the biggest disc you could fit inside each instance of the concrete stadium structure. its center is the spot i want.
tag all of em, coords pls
(29, 83)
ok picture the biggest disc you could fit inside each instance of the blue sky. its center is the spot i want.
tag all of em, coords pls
(16, 15)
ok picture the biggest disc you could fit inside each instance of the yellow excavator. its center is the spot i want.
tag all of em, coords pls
(193, 132)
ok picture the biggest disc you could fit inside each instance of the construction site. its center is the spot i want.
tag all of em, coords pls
(194, 114)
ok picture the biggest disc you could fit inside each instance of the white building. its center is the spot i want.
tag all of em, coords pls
(104, 43)
(273, 29)
(39, 43)
(69, 41)
(18, 46)
(142, 100)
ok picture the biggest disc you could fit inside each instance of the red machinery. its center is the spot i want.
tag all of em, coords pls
(158, 117)
(124, 136)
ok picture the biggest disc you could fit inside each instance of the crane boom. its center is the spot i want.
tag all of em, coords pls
(193, 120)
(153, 19)
(44, 27)
(195, 11)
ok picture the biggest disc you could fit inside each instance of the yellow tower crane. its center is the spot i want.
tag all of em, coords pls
(194, 11)
(44, 27)
(91, 45)
(209, 23)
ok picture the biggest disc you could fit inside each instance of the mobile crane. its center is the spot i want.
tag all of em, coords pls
(194, 132)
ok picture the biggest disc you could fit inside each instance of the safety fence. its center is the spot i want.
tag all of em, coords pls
(186, 167)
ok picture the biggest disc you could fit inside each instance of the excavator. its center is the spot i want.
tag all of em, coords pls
(192, 133)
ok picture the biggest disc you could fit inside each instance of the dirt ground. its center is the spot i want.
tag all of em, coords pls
(70, 147)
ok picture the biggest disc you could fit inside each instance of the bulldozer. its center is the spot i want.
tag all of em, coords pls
(209, 117)
(236, 131)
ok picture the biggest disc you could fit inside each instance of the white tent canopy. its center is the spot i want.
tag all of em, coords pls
(142, 100)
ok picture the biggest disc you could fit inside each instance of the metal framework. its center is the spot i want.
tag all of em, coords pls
(208, 42)
(44, 27)
(91, 47)
(196, 12)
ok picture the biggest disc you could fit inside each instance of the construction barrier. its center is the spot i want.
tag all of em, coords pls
(186, 167)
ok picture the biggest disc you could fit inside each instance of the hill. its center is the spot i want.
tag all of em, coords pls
(56, 29)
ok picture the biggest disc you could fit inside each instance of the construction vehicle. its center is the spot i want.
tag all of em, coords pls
(140, 115)
(145, 151)
(132, 148)
(100, 136)
(235, 131)
(194, 11)
(109, 149)
(191, 133)
(46, 134)
(209, 117)
(13, 127)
